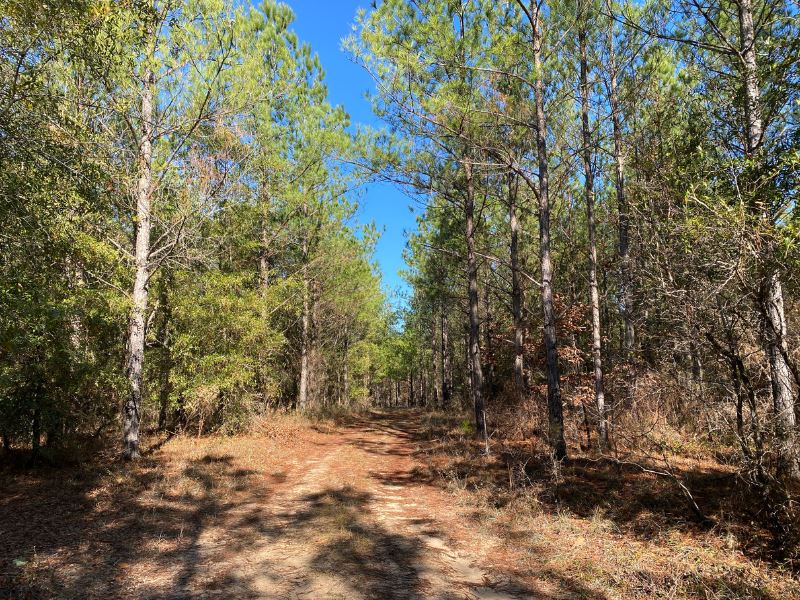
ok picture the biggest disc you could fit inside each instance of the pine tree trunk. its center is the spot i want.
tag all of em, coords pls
(491, 380)
(346, 370)
(781, 378)
(435, 383)
(36, 435)
(446, 367)
(626, 304)
(263, 258)
(554, 403)
(165, 385)
(594, 297)
(305, 343)
(136, 328)
(476, 372)
(775, 328)
(302, 399)
(516, 291)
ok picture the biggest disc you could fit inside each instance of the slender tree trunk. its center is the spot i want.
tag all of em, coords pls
(411, 389)
(491, 380)
(781, 378)
(626, 304)
(775, 328)
(446, 372)
(346, 370)
(136, 328)
(594, 296)
(554, 403)
(435, 383)
(263, 258)
(305, 345)
(165, 385)
(36, 434)
(476, 372)
(424, 386)
(517, 299)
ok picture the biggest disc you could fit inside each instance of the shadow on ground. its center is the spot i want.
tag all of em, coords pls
(210, 528)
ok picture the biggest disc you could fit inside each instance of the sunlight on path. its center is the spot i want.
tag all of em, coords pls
(354, 525)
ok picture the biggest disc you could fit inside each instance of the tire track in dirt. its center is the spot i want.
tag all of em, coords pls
(348, 521)
(356, 525)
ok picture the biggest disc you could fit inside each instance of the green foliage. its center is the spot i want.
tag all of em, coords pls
(251, 211)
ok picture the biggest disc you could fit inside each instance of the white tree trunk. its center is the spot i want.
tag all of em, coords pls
(775, 328)
(131, 416)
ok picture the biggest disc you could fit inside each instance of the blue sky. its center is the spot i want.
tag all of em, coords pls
(323, 24)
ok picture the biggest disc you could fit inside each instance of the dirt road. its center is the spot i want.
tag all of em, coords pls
(340, 513)
(354, 521)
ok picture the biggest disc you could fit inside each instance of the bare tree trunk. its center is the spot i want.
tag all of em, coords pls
(411, 389)
(775, 328)
(476, 372)
(435, 383)
(136, 328)
(491, 379)
(516, 290)
(165, 385)
(594, 297)
(626, 304)
(36, 434)
(424, 386)
(554, 403)
(447, 382)
(263, 258)
(346, 370)
(305, 347)
(781, 378)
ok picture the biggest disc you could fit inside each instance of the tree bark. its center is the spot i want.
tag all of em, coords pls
(435, 371)
(137, 323)
(476, 372)
(447, 383)
(491, 379)
(626, 301)
(588, 179)
(517, 299)
(774, 317)
(36, 435)
(263, 258)
(346, 370)
(305, 345)
(165, 385)
(554, 403)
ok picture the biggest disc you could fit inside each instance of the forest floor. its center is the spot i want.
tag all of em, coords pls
(375, 506)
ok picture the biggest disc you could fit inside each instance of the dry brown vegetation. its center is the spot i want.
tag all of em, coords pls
(388, 505)
(132, 530)
(622, 531)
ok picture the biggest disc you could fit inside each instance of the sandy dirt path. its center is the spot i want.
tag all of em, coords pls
(308, 513)
(355, 521)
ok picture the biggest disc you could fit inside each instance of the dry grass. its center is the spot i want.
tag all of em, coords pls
(173, 524)
(83, 530)
(618, 531)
